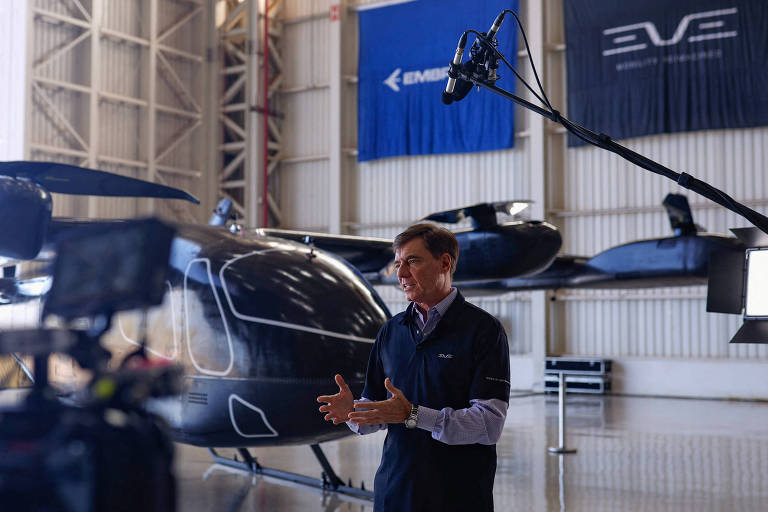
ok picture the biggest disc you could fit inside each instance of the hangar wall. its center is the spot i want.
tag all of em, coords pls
(604, 201)
(120, 86)
(380, 198)
(662, 340)
(13, 42)
(137, 99)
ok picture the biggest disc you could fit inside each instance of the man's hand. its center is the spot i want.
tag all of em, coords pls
(338, 406)
(393, 410)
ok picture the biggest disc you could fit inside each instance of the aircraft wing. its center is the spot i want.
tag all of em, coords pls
(366, 254)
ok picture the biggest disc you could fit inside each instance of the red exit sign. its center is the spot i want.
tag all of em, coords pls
(335, 12)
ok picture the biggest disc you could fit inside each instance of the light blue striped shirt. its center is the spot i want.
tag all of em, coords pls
(434, 314)
(481, 423)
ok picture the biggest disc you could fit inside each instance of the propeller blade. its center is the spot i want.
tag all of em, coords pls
(71, 179)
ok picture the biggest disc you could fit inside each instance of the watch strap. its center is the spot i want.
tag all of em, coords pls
(412, 419)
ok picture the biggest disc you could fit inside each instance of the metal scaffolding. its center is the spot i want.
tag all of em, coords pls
(120, 86)
(248, 118)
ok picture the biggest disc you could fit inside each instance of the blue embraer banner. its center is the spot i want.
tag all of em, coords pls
(405, 50)
(637, 68)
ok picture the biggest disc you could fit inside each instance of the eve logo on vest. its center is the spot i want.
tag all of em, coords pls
(415, 77)
(445, 356)
(703, 26)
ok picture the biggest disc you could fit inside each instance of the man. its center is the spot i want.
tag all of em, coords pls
(438, 380)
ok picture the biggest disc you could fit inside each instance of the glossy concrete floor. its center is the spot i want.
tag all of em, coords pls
(634, 454)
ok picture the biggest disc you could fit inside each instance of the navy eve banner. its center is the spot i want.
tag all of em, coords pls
(405, 50)
(654, 66)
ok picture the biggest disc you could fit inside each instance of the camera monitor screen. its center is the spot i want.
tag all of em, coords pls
(756, 301)
(104, 268)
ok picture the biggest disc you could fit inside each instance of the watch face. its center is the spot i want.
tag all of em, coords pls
(410, 423)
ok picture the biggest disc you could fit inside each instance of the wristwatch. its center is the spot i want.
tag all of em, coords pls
(413, 418)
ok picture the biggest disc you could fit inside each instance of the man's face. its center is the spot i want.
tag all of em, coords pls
(423, 278)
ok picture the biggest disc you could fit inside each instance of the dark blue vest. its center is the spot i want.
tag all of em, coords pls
(465, 357)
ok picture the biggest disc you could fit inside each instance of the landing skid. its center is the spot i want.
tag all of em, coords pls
(330, 481)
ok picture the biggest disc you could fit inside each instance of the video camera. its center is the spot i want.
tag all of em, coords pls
(105, 452)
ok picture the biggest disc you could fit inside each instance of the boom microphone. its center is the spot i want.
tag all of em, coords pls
(487, 51)
(448, 92)
(481, 55)
(457, 91)
(495, 27)
(462, 88)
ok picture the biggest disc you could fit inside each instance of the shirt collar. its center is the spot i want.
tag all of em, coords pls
(444, 304)
(441, 307)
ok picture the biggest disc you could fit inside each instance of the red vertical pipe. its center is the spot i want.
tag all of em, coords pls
(265, 114)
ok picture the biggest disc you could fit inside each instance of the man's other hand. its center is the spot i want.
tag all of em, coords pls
(340, 405)
(393, 410)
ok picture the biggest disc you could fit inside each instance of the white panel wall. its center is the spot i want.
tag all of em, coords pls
(303, 189)
(307, 38)
(608, 202)
(306, 114)
(402, 190)
(301, 8)
(13, 74)
(304, 101)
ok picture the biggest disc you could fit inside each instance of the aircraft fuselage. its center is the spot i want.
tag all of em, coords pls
(260, 326)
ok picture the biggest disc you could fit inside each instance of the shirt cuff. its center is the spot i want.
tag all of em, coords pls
(427, 418)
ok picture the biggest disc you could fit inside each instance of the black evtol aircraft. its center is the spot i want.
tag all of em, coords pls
(680, 260)
(257, 320)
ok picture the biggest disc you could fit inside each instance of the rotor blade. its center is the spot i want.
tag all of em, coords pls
(70, 179)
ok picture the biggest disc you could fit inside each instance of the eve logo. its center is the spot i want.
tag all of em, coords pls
(445, 356)
(700, 26)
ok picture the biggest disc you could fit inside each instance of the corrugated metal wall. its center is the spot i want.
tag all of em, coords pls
(304, 100)
(596, 198)
(608, 202)
(599, 201)
(97, 101)
(400, 191)
(13, 38)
